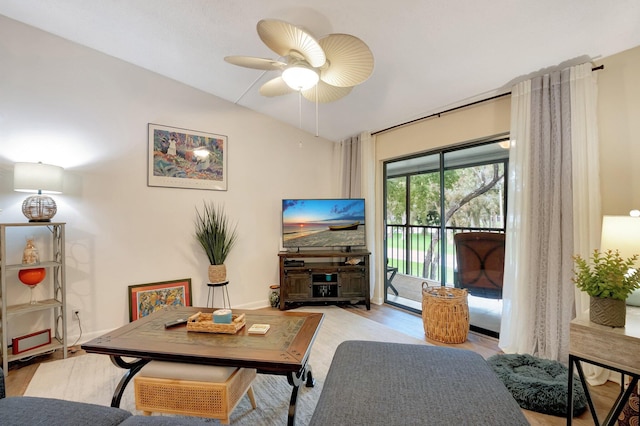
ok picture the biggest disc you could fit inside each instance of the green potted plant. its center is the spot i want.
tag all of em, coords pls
(216, 237)
(608, 279)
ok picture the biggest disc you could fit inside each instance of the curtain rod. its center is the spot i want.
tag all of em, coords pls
(438, 114)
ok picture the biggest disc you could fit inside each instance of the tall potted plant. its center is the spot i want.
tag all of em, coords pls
(217, 237)
(608, 279)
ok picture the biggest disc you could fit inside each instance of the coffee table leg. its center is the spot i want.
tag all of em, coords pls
(295, 380)
(311, 382)
(292, 405)
(132, 369)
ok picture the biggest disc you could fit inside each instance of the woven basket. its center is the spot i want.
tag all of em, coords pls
(445, 313)
(217, 273)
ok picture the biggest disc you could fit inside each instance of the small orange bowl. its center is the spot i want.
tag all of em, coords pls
(32, 276)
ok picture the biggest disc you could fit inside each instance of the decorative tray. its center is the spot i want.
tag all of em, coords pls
(203, 323)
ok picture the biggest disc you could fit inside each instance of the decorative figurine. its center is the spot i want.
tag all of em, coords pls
(30, 256)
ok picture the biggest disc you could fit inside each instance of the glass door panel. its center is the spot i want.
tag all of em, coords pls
(412, 205)
(474, 201)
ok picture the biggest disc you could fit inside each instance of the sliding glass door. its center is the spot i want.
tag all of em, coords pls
(428, 199)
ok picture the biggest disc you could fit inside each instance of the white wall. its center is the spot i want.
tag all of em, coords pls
(464, 125)
(64, 104)
(619, 131)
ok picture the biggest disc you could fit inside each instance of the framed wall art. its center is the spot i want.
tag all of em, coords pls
(181, 158)
(145, 299)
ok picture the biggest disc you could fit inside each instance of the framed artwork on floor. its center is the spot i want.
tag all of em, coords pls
(181, 158)
(145, 299)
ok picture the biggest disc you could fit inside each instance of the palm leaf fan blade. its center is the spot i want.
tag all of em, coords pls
(350, 61)
(285, 38)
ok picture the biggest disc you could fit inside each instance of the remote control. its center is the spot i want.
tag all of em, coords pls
(176, 322)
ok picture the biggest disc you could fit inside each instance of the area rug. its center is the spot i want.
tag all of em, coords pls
(92, 378)
(630, 415)
(539, 384)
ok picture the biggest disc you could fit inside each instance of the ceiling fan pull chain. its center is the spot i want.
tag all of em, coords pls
(300, 110)
(300, 115)
(317, 134)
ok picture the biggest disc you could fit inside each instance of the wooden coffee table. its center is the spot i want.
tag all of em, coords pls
(284, 350)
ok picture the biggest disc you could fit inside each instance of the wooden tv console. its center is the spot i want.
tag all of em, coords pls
(324, 276)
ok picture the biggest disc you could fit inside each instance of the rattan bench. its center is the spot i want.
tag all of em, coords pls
(192, 390)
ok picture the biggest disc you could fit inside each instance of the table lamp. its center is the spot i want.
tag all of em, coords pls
(622, 233)
(41, 179)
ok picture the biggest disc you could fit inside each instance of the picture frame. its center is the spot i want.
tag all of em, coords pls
(181, 158)
(145, 299)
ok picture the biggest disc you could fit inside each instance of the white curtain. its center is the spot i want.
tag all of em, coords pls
(516, 312)
(553, 210)
(586, 183)
(357, 180)
(586, 171)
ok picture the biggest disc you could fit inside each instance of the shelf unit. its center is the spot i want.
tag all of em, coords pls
(324, 276)
(55, 274)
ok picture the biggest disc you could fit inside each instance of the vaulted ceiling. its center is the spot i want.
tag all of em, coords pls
(429, 54)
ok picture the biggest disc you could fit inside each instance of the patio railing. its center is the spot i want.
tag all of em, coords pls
(415, 250)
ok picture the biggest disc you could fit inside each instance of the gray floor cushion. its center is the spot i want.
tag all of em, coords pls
(538, 384)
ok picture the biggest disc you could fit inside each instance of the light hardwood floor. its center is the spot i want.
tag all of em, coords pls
(406, 322)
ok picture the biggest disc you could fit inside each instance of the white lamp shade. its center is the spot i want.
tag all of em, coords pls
(621, 233)
(35, 177)
(300, 77)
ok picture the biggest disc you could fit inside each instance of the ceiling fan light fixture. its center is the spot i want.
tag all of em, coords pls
(323, 70)
(300, 77)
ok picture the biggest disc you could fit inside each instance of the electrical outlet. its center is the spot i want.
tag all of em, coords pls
(76, 315)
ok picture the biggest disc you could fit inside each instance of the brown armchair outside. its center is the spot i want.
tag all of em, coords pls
(480, 258)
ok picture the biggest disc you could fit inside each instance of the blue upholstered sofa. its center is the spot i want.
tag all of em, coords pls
(25, 410)
(368, 383)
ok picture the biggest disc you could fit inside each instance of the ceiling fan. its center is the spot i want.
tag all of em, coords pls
(322, 70)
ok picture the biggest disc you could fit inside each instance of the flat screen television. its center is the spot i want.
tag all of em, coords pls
(335, 222)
